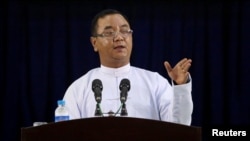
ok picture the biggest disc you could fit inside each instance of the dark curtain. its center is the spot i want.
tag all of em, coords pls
(45, 46)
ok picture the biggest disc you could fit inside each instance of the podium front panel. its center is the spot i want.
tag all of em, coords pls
(111, 128)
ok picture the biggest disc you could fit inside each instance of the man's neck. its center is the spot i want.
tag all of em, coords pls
(115, 65)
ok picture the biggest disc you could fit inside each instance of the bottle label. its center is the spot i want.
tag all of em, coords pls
(61, 118)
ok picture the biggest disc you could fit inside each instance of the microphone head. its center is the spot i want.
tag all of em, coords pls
(97, 89)
(97, 83)
(125, 83)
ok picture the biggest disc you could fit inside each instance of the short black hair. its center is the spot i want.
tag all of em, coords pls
(102, 14)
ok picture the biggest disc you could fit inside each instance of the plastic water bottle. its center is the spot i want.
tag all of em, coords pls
(61, 112)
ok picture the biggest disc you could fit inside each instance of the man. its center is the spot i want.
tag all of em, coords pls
(150, 95)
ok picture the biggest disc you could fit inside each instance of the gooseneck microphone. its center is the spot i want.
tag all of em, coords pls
(97, 89)
(124, 88)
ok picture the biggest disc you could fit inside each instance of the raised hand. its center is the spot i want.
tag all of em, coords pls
(179, 73)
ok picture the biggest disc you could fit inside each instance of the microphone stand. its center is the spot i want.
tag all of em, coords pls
(124, 110)
(98, 111)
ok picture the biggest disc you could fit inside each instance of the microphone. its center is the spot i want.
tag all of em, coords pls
(124, 88)
(97, 89)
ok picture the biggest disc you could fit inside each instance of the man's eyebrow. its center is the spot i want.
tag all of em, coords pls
(125, 25)
(107, 27)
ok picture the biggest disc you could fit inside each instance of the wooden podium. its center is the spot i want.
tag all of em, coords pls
(111, 128)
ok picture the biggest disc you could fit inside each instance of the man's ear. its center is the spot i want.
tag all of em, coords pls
(93, 42)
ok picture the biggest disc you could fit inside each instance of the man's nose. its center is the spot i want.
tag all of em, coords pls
(118, 36)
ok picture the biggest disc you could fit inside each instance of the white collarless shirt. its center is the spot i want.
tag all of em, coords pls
(150, 95)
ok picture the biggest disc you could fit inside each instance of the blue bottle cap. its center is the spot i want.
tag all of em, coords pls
(61, 102)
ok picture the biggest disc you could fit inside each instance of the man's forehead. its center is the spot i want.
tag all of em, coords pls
(112, 21)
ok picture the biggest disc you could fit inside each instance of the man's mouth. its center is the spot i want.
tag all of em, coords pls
(119, 47)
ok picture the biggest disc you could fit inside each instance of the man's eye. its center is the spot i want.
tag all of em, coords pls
(124, 31)
(109, 33)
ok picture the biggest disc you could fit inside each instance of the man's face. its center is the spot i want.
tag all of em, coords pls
(114, 51)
